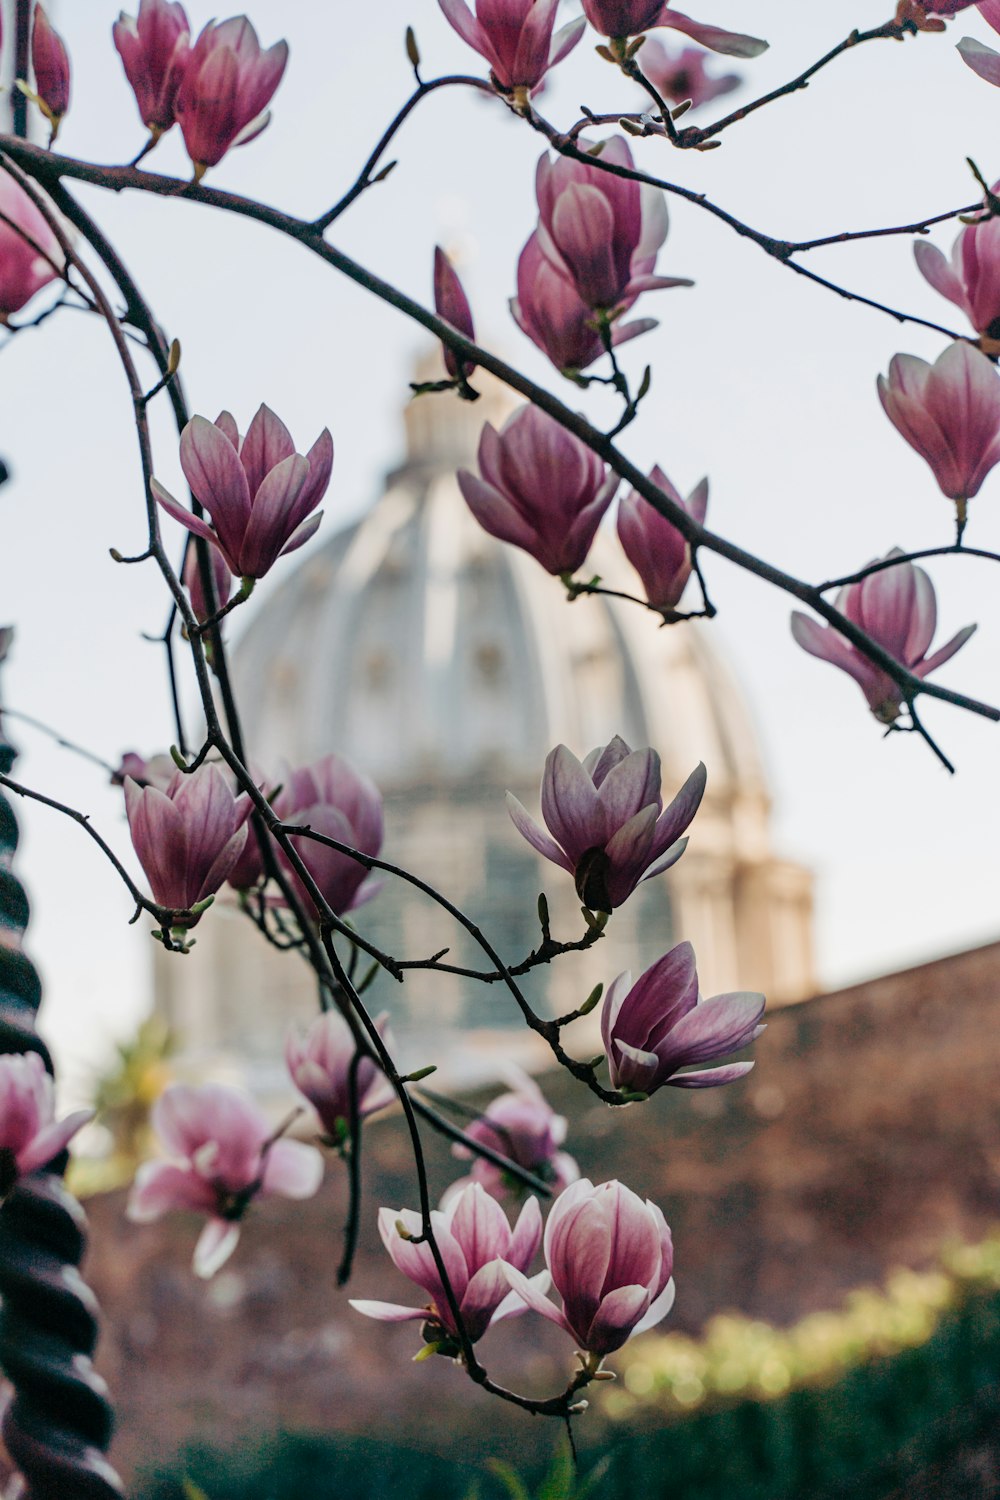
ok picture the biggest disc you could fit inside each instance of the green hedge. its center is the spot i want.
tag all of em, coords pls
(868, 1434)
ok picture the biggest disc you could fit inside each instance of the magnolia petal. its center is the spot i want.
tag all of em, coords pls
(48, 1143)
(936, 268)
(216, 1244)
(566, 39)
(658, 1309)
(529, 829)
(387, 1312)
(709, 1078)
(616, 1318)
(532, 1292)
(981, 59)
(267, 443)
(181, 513)
(292, 1169)
(716, 38)
(513, 1304)
(302, 534)
(946, 652)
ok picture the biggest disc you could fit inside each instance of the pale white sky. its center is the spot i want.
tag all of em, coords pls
(761, 380)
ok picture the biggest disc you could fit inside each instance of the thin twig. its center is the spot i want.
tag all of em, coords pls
(955, 549)
(890, 30)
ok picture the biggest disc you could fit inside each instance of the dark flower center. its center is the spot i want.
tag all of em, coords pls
(592, 869)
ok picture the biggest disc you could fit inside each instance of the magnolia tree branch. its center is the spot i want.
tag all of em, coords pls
(365, 179)
(315, 926)
(47, 167)
(364, 1031)
(956, 549)
(888, 31)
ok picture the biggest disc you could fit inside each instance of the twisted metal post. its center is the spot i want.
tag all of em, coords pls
(57, 1424)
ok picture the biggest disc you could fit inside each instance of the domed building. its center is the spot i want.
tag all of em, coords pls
(446, 665)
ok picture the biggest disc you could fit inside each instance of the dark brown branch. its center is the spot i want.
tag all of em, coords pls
(452, 1132)
(889, 30)
(161, 913)
(47, 167)
(364, 179)
(919, 226)
(955, 549)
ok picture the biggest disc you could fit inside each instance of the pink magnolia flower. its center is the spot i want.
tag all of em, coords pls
(153, 770)
(320, 1065)
(523, 1126)
(606, 820)
(980, 58)
(678, 76)
(477, 1245)
(944, 7)
(259, 492)
(619, 19)
(654, 547)
(971, 279)
(50, 62)
(341, 803)
(29, 251)
(451, 304)
(602, 232)
(541, 489)
(549, 310)
(154, 47)
(189, 837)
(221, 578)
(898, 609)
(515, 37)
(950, 413)
(611, 1257)
(30, 1135)
(224, 1155)
(660, 1024)
(227, 85)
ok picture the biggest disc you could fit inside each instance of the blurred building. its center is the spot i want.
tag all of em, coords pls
(446, 665)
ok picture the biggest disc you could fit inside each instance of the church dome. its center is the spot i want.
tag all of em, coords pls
(446, 665)
(431, 654)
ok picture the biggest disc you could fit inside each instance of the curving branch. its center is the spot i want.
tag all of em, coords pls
(895, 30)
(50, 169)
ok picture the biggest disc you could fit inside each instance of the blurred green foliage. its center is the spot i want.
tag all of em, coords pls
(739, 1357)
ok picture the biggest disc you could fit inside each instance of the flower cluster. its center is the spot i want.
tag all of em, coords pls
(188, 837)
(620, 19)
(259, 492)
(606, 821)
(660, 1024)
(522, 1126)
(333, 799)
(478, 1248)
(223, 1155)
(950, 413)
(593, 253)
(540, 488)
(516, 39)
(30, 1135)
(897, 607)
(30, 255)
(217, 88)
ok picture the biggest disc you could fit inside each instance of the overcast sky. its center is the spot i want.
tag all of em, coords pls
(762, 381)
